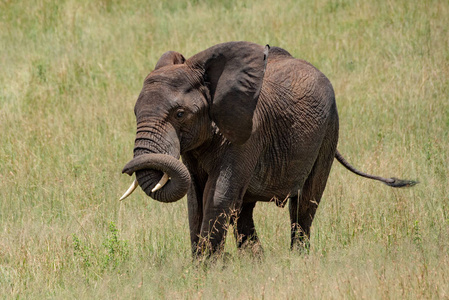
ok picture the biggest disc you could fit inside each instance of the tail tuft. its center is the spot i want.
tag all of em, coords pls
(399, 183)
(393, 182)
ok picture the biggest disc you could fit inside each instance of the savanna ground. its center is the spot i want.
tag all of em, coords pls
(70, 74)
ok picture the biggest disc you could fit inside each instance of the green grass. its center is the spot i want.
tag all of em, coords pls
(71, 72)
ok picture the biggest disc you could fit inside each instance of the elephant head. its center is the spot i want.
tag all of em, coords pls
(183, 103)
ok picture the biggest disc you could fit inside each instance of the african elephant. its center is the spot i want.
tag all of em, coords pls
(251, 123)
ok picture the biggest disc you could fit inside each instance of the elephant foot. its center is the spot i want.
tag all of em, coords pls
(221, 258)
(252, 248)
(301, 245)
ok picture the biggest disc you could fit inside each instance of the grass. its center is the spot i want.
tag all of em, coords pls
(71, 72)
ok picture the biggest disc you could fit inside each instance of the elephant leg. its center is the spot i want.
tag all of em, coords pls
(303, 207)
(222, 202)
(301, 220)
(213, 233)
(195, 212)
(218, 210)
(244, 229)
(223, 197)
(195, 201)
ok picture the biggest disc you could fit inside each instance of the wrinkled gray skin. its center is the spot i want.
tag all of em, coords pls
(251, 124)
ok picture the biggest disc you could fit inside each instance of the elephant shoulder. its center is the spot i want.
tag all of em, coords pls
(298, 78)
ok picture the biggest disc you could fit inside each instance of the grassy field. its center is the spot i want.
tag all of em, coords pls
(70, 74)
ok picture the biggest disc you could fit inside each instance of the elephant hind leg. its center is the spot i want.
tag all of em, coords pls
(303, 207)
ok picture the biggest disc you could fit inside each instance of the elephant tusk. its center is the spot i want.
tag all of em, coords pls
(130, 190)
(161, 183)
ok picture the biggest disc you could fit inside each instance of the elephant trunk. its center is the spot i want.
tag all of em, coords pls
(151, 167)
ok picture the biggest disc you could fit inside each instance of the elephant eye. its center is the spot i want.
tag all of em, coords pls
(180, 114)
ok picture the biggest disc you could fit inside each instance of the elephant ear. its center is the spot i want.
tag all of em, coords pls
(170, 58)
(234, 73)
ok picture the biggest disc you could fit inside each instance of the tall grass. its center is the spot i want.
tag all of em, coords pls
(70, 74)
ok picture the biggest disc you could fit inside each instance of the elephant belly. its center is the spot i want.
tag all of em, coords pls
(278, 178)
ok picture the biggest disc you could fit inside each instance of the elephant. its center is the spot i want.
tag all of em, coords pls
(250, 123)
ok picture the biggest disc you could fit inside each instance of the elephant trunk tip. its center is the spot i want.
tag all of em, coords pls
(127, 171)
(130, 167)
(399, 183)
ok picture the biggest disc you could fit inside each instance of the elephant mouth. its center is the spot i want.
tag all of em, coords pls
(161, 176)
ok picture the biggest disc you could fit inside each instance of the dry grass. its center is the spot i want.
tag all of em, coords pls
(71, 71)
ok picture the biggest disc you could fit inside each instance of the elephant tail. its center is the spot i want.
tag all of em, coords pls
(393, 182)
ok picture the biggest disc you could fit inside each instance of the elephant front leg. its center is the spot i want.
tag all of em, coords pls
(195, 203)
(213, 233)
(245, 231)
(223, 196)
(221, 202)
(195, 211)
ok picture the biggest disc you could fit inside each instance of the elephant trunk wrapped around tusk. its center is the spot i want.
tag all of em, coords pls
(161, 183)
(130, 190)
(162, 177)
(134, 185)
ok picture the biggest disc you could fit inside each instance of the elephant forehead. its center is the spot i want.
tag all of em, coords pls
(157, 101)
(160, 96)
